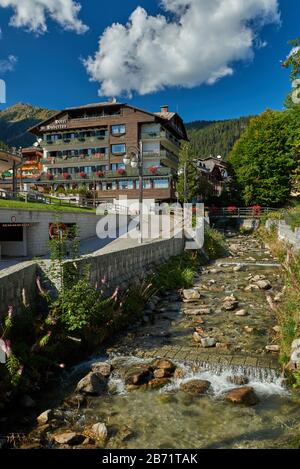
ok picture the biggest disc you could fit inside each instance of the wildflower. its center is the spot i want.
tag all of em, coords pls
(115, 294)
(8, 350)
(62, 365)
(20, 370)
(104, 280)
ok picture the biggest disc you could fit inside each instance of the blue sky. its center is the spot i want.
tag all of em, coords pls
(49, 72)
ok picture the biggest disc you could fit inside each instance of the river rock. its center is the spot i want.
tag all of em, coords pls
(100, 431)
(137, 375)
(198, 312)
(93, 384)
(208, 342)
(44, 417)
(238, 380)
(230, 305)
(251, 288)
(264, 285)
(241, 313)
(103, 368)
(164, 364)
(249, 329)
(245, 395)
(158, 383)
(195, 387)
(223, 345)
(272, 348)
(197, 337)
(162, 373)
(191, 294)
(69, 438)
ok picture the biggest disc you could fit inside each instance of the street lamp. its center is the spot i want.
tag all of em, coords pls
(135, 159)
(183, 171)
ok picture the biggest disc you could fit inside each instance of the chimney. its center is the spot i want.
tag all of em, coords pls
(164, 109)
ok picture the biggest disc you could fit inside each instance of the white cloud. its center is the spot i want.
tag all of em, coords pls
(194, 42)
(32, 14)
(8, 65)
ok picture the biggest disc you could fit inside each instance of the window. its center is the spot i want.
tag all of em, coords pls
(118, 129)
(161, 183)
(116, 166)
(118, 149)
(123, 185)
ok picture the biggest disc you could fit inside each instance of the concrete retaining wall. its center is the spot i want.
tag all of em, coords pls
(118, 267)
(15, 280)
(122, 267)
(285, 232)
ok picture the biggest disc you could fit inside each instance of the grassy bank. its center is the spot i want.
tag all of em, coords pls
(288, 308)
(55, 206)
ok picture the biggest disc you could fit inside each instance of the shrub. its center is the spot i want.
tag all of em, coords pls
(214, 243)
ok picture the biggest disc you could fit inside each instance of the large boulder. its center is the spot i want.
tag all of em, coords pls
(158, 383)
(164, 364)
(92, 384)
(103, 368)
(137, 375)
(196, 387)
(245, 396)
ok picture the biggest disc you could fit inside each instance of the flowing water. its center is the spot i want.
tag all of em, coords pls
(170, 418)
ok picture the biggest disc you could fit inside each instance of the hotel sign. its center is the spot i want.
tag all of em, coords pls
(57, 125)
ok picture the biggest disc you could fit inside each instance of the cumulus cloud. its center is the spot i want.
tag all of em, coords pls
(193, 42)
(8, 65)
(32, 14)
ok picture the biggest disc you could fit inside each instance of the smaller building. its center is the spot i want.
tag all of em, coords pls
(9, 162)
(213, 172)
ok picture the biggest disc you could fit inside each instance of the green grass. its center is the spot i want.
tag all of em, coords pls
(54, 207)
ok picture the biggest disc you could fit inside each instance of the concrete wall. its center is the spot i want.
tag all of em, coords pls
(286, 232)
(122, 267)
(13, 281)
(38, 232)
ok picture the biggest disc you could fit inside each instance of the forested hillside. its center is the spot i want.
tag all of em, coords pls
(215, 138)
(15, 121)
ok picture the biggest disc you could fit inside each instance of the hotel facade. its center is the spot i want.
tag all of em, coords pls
(84, 147)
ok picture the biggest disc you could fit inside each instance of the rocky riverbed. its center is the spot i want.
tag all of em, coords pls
(199, 371)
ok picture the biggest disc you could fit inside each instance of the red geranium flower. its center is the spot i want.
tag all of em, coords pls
(100, 174)
(121, 171)
(82, 174)
(153, 169)
(66, 175)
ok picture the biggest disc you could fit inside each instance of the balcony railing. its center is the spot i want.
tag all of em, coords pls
(76, 159)
(129, 173)
(76, 141)
(160, 135)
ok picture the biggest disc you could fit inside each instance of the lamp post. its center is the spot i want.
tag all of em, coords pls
(183, 171)
(135, 159)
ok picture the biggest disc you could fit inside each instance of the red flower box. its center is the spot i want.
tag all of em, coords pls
(121, 171)
(153, 169)
(100, 174)
(66, 175)
(82, 175)
(232, 209)
(49, 176)
(256, 209)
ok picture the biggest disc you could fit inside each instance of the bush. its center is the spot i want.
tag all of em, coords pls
(214, 244)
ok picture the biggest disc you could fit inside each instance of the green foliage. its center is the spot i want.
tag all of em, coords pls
(185, 164)
(263, 159)
(215, 138)
(178, 272)
(79, 306)
(214, 245)
(13, 366)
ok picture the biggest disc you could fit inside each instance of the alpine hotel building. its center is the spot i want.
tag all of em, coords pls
(85, 147)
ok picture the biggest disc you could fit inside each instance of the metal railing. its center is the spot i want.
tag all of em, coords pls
(77, 140)
(239, 212)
